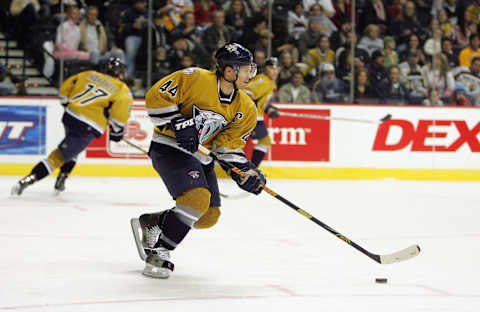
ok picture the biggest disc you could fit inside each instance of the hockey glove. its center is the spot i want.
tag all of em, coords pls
(115, 135)
(185, 132)
(254, 180)
(272, 111)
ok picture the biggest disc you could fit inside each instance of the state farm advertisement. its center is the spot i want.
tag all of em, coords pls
(298, 139)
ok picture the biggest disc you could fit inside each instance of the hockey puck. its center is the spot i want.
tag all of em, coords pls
(381, 280)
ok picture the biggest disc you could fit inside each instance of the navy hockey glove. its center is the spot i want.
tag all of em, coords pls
(185, 132)
(254, 180)
(272, 111)
(115, 135)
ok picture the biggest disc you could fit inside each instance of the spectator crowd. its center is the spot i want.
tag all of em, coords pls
(424, 52)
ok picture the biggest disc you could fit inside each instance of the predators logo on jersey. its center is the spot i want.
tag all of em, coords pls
(221, 120)
(207, 123)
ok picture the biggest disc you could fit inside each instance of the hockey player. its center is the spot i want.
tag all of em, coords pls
(261, 89)
(190, 107)
(92, 101)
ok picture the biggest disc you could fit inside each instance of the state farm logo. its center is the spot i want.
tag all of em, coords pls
(17, 129)
(135, 131)
(449, 135)
(289, 136)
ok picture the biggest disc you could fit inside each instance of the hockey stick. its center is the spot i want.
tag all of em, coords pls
(398, 256)
(313, 116)
(234, 196)
(135, 146)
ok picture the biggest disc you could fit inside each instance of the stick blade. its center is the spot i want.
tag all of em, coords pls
(401, 255)
(387, 117)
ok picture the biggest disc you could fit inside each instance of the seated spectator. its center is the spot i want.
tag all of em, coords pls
(392, 90)
(329, 89)
(187, 29)
(371, 40)
(203, 10)
(433, 98)
(376, 70)
(411, 76)
(339, 38)
(437, 75)
(308, 39)
(236, 15)
(459, 97)
(93, 39)
(446, 26)
(465, 28)
(469, 77)
(408, 24)
(317, 56)
(297, 21)
(361, 55)
(447, 49)
(295, 91)
(68, 38)
(135, 24)
(218, 34)
(363, 92)
(468, 53)
(181, 47)
(413, 46)
(391, 56)
(287, 68)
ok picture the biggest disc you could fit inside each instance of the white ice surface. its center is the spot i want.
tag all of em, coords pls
(76, 252)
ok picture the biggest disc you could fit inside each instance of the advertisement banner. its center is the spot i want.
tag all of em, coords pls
(22, 130)
(139, 131)
(297, 138)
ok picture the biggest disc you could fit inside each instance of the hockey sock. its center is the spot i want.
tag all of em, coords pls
(257, 157)
(40, 171)
(68, 167)
(173, 230)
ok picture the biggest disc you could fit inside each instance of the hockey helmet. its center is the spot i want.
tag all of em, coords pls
(272, 61)
(114, 67)
(234, 55)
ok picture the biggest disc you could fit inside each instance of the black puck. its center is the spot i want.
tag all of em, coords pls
(381, 280)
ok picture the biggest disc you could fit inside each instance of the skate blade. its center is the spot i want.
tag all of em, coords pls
(136, 230)
(57, 192)
(155, 272)
(15, 190)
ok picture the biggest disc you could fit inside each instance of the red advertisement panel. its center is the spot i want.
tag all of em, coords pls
(298, 138)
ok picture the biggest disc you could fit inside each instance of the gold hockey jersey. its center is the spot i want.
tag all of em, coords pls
(92, 95)
(261, 90)
(224, 123)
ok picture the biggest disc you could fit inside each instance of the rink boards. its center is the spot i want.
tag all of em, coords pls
(417, 143)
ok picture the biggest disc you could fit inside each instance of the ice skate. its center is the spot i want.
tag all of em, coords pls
(157, 258)
(158, 263)
(21, 185)
(60, 183)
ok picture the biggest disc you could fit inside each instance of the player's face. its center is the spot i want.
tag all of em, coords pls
(272, 72)
(245, 73)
